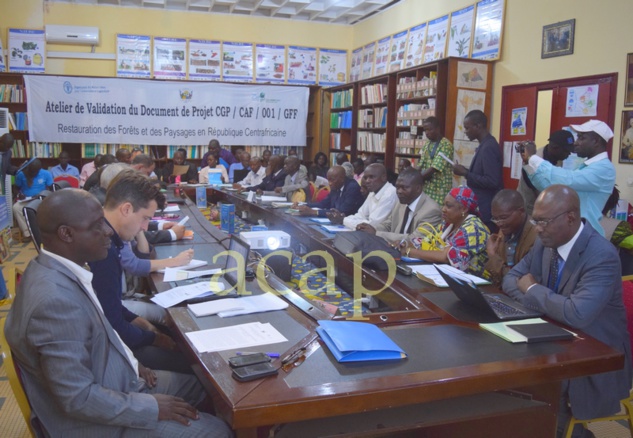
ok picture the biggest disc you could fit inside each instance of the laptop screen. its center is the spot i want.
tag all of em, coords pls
(242, 248)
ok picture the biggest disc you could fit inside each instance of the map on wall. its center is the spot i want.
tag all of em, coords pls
(357, 62)
(398, 49)
(415, 45)
(169, 58)
(461, 32)
(133, 56)
(332, 66)
(467, 101)
(26, 51)
(382, 56)
(237, 62)
(472, 75)
(270, 63)
(488, 29)
(204, 60)
(436, 36)
(369, 52)
(302, 65)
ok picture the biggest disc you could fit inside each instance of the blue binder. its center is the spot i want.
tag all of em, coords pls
(351, 341)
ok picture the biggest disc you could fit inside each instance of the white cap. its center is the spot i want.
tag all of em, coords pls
(600, 128)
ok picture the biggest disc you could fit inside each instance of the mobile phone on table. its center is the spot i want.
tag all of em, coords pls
(252, 372)
(248, 359)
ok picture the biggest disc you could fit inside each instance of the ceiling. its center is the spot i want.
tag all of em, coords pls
(324, 11)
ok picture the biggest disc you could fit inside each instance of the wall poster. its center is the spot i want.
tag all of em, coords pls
(436, 36)
(204, 60)
(332, 67)
(270, 64)
(382, 56)
(398, 50)
(488, 29)
(133, 56)
(237, 62)
(582, 101)
(415, 45)
(302, 65)
(369, 52)
(26, 51)
(357, 62)
(169, 58)
(461, 32)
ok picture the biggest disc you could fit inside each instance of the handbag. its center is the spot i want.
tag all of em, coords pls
(431, 239)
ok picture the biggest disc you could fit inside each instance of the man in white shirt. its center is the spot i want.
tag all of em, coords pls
(381, 200)
(63, 168)
(255, 176)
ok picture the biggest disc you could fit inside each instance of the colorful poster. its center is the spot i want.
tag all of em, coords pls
(3, 66)
(382, 56)
(461, 32)
(332, 67)
(519, 118)
(133, 56)
(270, 64)
(27, 51)
(415, 45)
(467, 100)
(302, 65)
(70, 109)
(472, 75)
(488, 29)
(369, 52)
(204, 60)
(436, 36)
(582, 101)
(398, 49)
(169, 58)
(237, 62)
(357, 62)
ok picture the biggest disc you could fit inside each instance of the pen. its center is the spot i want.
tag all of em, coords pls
(298, 352)
(269, 354)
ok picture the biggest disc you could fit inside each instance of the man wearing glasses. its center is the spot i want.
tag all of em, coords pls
(572, 275)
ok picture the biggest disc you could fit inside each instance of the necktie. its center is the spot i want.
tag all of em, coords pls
(553, 271)
(405, 220)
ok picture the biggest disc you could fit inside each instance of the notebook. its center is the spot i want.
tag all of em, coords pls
(501, 306)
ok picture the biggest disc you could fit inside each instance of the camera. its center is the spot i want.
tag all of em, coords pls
(520, 147)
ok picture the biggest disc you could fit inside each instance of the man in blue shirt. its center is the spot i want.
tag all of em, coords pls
(63, 168)
(243, 164)
(344, 196)
(593, 180)
(30, 182)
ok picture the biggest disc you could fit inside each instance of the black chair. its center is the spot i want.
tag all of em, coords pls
(61, 184)
(30, 215)
(239, 174)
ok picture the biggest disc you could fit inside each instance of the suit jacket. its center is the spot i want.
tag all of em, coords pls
(75, 371)
(485, 175)
(426, 210)
(301, 182)
(270, 182)
(589, 299)
(496, 265)
(347, 202)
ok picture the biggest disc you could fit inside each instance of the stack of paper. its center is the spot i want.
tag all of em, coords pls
(266, 198)
(235, 337)
(335, 228)
(266, 302)
(179, 294)
(192, 265)
(429, 274)
(214, 307)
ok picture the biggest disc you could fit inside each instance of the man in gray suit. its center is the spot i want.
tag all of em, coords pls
(414, 209)
(80, 379)
(296, 177)
(572, 275)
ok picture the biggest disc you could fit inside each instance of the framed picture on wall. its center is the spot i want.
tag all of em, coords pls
(558, 39)
(626, 139)
(628, 98)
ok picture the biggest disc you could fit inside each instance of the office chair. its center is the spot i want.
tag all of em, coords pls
(313, 189)
(69, 179)
(30, 215)
(627, 403)
(321, 194)
(298, 196)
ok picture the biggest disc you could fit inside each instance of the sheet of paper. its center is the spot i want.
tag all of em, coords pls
(213, 307)
(502, 330)
(172, 208)
(335, 228)
(507, 153)
(320, 220)
(268, 198)
(177, 274)
(256, 304)
(235, 337)
(184, 220)
(445, 158)
(192, 265)
(179, 294)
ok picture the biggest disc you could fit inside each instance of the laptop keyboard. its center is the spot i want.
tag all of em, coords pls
(502, 308)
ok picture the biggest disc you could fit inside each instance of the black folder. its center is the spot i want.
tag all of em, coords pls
(541, 332)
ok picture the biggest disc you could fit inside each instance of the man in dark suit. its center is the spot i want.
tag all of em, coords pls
(275, 176)
(572, 275)
(6, 143)
(79, 377)
(485, 173)
(344, 196)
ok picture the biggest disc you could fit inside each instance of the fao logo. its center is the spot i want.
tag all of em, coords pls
(68, 88)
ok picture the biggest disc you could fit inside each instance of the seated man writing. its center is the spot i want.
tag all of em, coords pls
(572, 275)
(80, 378)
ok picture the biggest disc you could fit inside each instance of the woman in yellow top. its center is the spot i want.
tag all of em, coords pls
(462, 231)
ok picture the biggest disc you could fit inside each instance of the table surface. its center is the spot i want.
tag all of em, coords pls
(446, 357)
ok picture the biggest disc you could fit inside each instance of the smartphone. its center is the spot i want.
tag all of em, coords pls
(248, 359)
(404, 269)
(252, 372)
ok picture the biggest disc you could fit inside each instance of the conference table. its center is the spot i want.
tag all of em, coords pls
(458, 380)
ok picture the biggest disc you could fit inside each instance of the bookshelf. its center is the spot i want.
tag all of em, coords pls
(339, 110)
(388, 110)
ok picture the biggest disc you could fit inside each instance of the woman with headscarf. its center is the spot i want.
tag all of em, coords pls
(462, 231)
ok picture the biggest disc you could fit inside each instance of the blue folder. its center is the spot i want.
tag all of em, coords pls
(351, 341)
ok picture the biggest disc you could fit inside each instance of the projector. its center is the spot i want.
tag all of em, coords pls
(269, 239)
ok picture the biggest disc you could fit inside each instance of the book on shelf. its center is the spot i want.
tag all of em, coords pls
(373, 94)
(341, 120)
(342, 99)
(11, 93)
(370, 142)
(19, 121)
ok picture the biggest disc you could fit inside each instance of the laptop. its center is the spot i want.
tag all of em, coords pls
(230, 278)
(501, 306)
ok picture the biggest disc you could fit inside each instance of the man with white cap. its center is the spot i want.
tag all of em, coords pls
(593, 180)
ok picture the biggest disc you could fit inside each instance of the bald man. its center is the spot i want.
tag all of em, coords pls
(344, 197)
(380, 201)
(572, 275)
(80, 378)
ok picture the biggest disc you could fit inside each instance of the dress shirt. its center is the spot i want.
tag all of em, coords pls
(347, 200)
(87, 170)
(375, 209)
(85, 278)
(59, 171)
(253, 179)
(411, 208)
(593, 182)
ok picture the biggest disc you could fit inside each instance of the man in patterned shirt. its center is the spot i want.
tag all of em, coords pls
(435, 170)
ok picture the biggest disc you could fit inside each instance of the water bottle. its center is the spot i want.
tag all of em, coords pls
(510, 251)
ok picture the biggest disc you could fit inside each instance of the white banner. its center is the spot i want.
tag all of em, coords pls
(111, 110)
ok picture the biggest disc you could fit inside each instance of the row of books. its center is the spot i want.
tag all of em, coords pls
(35, 149)
(372, 118)
(413, 114)
(18, 121)
(371, 94)
(336, 143)
(342, 99)
(91, 150)
(258, 151)
(12, 93)
(341, 120)
(409, 88)
(370, 142)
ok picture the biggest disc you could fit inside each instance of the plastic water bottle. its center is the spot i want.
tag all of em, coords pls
(510, 251)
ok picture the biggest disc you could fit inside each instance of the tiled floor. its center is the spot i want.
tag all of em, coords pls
(12, 423)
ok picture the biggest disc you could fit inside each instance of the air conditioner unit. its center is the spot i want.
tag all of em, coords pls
(4, 121)
(83, 35)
